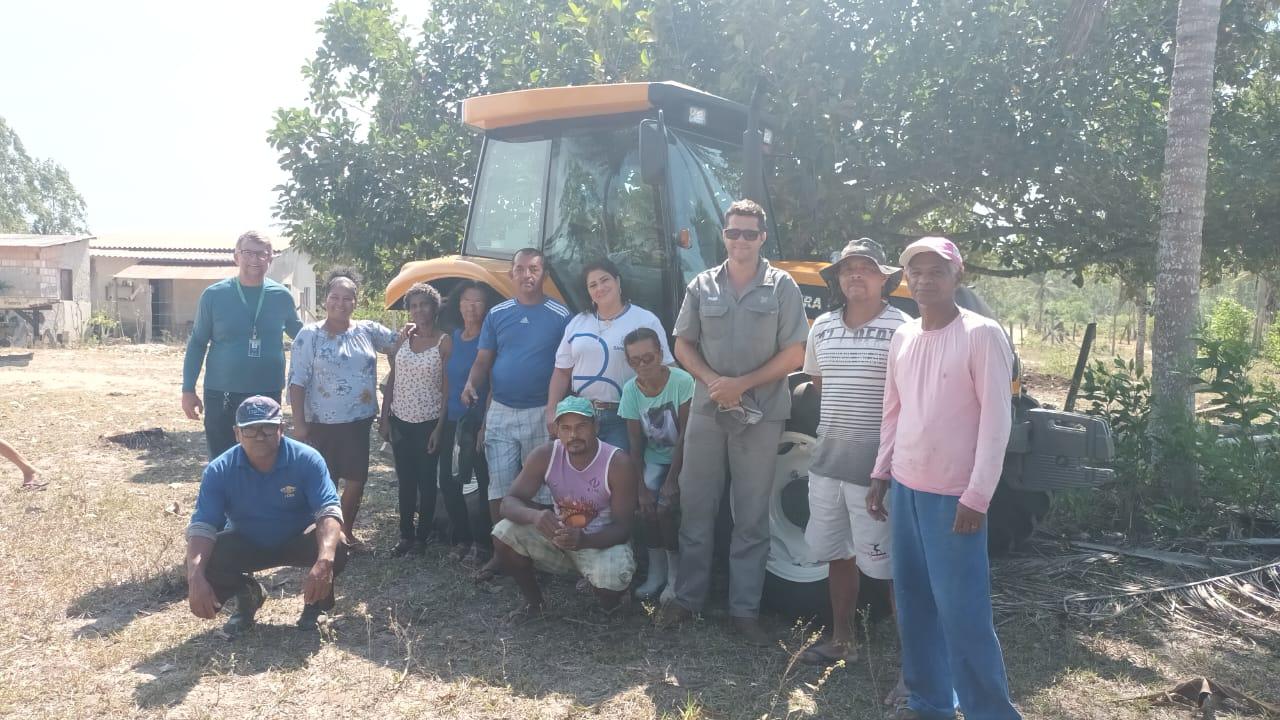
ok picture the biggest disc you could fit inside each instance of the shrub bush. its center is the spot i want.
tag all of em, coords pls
(1271, 344)
(1230, 322)
(1238, 475)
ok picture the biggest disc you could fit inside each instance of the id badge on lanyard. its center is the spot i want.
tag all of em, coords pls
(255, 343)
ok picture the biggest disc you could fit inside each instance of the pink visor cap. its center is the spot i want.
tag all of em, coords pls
(938, 245)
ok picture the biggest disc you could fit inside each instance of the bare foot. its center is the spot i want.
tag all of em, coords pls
(489, 571)
(32, 481)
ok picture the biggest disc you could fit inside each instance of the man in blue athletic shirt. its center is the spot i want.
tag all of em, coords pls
(240, 325)
(279, 508)
(518, 344)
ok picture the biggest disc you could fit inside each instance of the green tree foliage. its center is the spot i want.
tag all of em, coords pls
(1271, 345)
(380, 168)
(1032, 132)
(36, 196)
(1230, 322)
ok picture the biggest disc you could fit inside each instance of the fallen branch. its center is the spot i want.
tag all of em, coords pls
(1203, 562)
(1247, 542)
(1272, 569)
(1206, 693)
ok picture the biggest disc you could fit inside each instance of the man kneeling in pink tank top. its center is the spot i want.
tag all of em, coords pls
(588, 530)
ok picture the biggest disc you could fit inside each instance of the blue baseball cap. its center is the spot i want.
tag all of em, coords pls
(258, 410)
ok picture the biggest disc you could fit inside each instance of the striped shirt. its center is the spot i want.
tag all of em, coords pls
(851, 363)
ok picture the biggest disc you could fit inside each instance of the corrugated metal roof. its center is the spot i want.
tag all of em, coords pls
(170, 256)
(41, 241)
(177, 272)
(178, 241)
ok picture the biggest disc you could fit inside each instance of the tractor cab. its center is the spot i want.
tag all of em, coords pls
(640, 173)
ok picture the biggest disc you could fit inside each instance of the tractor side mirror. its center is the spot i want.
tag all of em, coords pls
(653, 152)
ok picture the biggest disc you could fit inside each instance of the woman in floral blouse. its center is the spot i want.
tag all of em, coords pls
(333, 388)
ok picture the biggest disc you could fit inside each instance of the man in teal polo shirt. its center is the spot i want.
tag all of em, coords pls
(279, 508)
(240, 325)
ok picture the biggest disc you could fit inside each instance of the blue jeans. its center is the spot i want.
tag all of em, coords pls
(611, 428)
(942, 585)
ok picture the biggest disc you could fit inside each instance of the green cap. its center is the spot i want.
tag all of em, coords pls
(576, 405)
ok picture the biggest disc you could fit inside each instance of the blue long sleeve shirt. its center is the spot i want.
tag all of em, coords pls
(267, 508)
(223, 325)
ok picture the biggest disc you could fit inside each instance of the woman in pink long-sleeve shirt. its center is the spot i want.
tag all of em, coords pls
(947, 417)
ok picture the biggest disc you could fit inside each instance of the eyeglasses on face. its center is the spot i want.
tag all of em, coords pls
(641, 360)
(748, 235)
(255, 254)
(259, 432)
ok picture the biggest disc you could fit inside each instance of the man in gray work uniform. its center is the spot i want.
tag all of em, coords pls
(740, 332)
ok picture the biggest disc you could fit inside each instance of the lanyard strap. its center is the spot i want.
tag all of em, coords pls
(256, 313)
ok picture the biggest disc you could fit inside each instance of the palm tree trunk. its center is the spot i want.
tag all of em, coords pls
(1186, 161)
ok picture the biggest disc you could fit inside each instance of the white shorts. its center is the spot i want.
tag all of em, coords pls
(840, 527)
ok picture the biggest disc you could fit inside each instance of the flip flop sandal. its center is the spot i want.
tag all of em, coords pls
(525, 614)
(475, 558)
(823, 654)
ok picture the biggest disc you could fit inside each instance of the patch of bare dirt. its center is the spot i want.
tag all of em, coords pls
(96, 623)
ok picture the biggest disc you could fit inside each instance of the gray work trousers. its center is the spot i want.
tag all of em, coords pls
(750, 456)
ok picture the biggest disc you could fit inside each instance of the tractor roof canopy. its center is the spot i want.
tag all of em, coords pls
(523, 113)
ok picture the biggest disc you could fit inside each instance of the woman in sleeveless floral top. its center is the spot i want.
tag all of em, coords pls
(412, 408)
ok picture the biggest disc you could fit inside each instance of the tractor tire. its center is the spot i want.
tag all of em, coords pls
(794, 587)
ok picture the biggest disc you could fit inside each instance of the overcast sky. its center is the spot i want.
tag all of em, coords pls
(159, 110)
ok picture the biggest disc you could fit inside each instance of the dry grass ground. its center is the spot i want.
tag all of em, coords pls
(95, 623)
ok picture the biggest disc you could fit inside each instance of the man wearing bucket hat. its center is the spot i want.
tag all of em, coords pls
(265, 503)
(588, 528)
(845, 356)
(942, 443)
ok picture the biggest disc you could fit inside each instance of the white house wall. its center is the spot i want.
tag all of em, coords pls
(35, 274)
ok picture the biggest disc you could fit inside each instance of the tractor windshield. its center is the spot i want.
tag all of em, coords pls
(598, 207)
(507, 212)
(579, 196)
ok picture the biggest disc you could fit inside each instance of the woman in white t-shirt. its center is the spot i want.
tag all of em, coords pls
(591, 361)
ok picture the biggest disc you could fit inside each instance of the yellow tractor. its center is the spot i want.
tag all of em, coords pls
(642, 173)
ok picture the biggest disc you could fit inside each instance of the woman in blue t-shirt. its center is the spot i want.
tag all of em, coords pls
(466, 309)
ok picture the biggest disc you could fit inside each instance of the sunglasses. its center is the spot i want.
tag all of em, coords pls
(748, 235)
